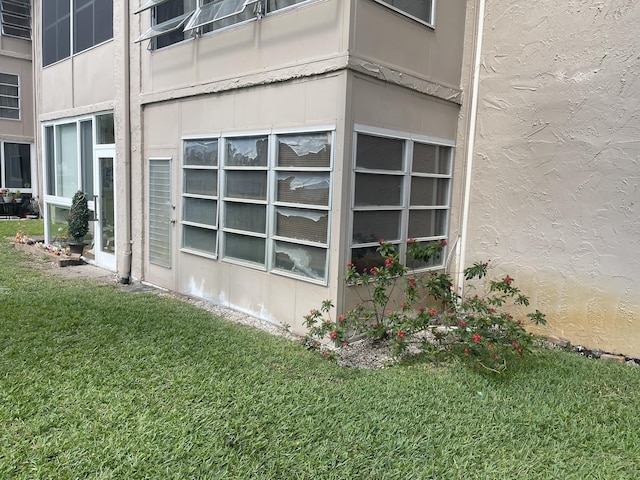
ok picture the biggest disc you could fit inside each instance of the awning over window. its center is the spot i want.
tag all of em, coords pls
(165, 27)
(217, 10)
(150, 4)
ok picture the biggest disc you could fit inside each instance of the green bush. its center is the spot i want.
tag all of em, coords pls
(477, 329)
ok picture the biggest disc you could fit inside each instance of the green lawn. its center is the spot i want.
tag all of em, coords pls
(96, 382)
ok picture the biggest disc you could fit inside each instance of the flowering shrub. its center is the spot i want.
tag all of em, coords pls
(476, 328)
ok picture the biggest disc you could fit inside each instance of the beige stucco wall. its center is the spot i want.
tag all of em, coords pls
(556, 167)
(313, 103)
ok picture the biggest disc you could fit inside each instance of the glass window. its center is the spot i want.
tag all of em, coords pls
(9, 96)
(86, 154)
(92, 23)
(399, 205)
(66, 160)
(17, 165)
(200, 196)
(15, 18)
(56, 31)
(285, 231)
(105, 132)
(419, 9)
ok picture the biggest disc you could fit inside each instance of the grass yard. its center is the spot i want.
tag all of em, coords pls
(96, 383)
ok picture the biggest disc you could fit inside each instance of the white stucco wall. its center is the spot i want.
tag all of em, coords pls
(555, 196)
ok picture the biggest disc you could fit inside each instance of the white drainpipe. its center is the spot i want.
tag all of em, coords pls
(471, 138)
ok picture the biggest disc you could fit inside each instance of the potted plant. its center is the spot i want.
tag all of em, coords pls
(78, 221)
(7, 196)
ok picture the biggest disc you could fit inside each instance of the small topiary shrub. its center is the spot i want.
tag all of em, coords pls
(78, 221)
(477, 329)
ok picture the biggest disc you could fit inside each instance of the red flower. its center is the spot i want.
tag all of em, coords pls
(515, 345)
(495, 357)
(340, 318)
(345, 343)
(401, 333)
(333, 335)
(509, 317)
(477, 338)
(350, 265)
(467, 351)
(374, 326)
(462, 323)
(491, 309)
(443, 243)
(388, 262)
(432, 312)
(373, 271)
(411, 240)
(508, 280)
(381, 240)
(520, 351)
(421, 309)
(412, 282)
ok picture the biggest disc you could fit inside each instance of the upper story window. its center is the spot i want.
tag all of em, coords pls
(71, 26)
(173, 21)
(15, 16)
(9, 96)
(422, 10)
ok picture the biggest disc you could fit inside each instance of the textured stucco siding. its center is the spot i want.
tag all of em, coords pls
(555, 188)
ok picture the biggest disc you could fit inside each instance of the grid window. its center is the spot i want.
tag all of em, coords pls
(9, 96)
(273, 210)
(422, 10)
(15, 18)
(402, 191)
(200, 196)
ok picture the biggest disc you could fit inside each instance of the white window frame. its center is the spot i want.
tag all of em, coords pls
(6, 12)
(15, 85)
(184, 195)
(407, 174)
(271, 203)
(431, 22)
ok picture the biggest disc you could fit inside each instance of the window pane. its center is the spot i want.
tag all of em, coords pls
(247, 152)
(378, 153)
(201, 152)
(366, 258)
(429, 191)
(431, 159)
(66, 160)
(302, 224)
(273, 5)
(378, 190)
(427, 223)
(17, 162)
(50, 161)
(372, 226)
(103, 21)
(105, 133)
(86, 151)
(301, 259)
(12, 113)
(421, 9)
(57, 219)
(246, 184)
(201, 182)
(199, 210)
(172, 15)
(309, 189)
(241, 247)
(201, 239)
(246, 216)
(435, 261)
(304, 150)
(56, 33)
